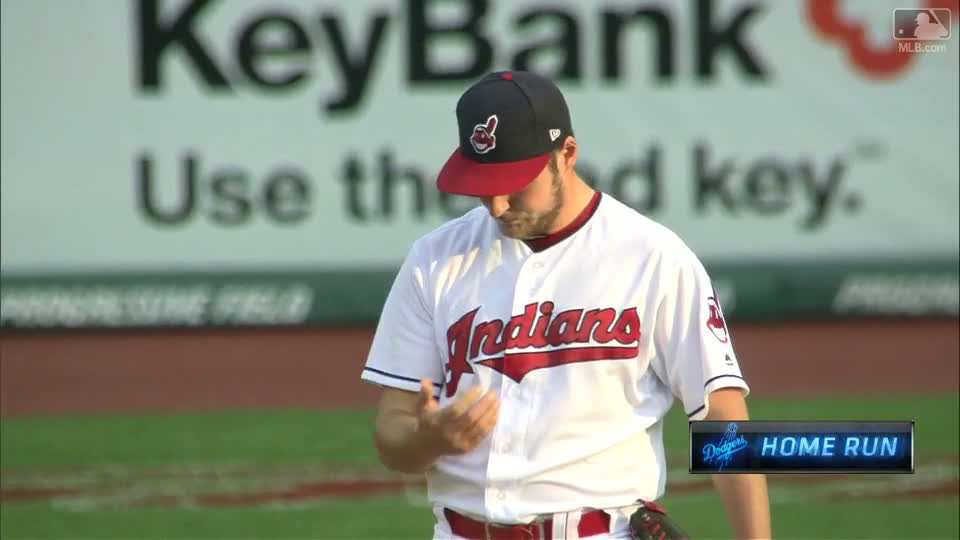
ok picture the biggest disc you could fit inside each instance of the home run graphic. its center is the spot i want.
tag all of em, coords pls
(528, 330)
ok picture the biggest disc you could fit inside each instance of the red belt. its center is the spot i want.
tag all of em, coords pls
(591, 523)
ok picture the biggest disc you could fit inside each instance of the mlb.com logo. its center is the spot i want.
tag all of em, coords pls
(914, 27)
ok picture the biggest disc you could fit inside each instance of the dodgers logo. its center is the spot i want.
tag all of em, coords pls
(483, 140)
(721, 454)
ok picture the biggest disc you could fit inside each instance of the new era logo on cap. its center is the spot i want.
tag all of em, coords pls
(554, 133)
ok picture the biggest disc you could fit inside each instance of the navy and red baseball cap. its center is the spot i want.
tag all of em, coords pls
(510, 122)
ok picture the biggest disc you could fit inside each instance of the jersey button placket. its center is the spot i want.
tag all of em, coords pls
(506, 449)
(531, 274)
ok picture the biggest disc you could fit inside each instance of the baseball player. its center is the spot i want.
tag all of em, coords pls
(529, 349)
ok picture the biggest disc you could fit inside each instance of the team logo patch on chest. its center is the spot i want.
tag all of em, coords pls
(611, 335)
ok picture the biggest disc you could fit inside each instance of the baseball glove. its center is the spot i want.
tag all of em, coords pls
(650, 522)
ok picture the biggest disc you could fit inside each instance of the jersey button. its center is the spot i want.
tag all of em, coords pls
(538, 265)
(501, 495)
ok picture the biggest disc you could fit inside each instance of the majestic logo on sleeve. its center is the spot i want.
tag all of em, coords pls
(483, 140)
(565, 332)
(715, 322)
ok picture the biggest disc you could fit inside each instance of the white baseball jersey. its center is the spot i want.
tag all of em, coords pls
(587, 342)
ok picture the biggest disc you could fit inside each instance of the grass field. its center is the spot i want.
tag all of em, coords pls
(313, 474)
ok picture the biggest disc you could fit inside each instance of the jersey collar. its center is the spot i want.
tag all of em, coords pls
(544, 242)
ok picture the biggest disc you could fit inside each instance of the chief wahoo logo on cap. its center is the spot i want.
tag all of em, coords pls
(483, 140)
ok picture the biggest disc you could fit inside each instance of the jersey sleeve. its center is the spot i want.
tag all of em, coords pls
(404, 349)
(695, 350)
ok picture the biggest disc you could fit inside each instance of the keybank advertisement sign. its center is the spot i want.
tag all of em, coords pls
(210, 134)
(266, 162)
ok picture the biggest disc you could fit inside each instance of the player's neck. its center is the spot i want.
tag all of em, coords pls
(577, 196)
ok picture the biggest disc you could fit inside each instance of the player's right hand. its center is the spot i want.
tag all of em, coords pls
(459, 427)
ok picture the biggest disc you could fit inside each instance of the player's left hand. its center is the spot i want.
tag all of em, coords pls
(650, 522)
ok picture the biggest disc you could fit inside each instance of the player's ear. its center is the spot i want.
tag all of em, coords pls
(567, 156)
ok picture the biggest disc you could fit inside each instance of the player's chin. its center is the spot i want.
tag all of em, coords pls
(520, 231)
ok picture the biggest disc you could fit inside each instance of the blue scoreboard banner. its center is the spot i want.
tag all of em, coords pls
(801, 447)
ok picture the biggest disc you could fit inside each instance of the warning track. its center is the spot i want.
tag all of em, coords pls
(296, 486)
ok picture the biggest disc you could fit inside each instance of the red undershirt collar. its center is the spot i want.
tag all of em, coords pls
(544, 242)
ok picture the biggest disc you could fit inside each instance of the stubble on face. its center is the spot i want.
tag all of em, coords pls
(524, 225)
